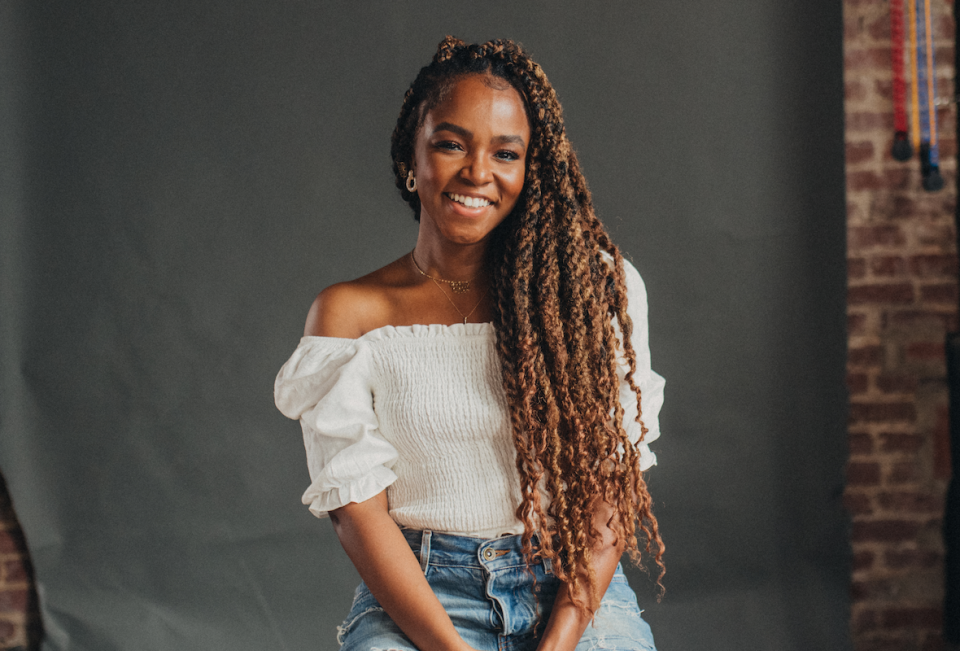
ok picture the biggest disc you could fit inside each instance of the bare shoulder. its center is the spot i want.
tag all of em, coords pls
(353, 308)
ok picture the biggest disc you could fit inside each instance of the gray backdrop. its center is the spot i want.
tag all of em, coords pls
(180, 178)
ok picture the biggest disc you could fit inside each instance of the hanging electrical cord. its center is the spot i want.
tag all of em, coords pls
(914, 88)
(902, 150)
(927, 93)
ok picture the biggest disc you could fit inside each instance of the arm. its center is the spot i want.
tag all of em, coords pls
(390, 569)
(368, 534)
(567, 622)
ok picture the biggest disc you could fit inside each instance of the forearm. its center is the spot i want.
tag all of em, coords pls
(391, 571)
(567, 620)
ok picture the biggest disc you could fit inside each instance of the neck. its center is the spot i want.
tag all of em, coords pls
(451, 261)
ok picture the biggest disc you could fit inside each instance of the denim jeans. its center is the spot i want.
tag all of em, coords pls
(488, 591)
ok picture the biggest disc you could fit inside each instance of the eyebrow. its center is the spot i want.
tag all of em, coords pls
(464, 133)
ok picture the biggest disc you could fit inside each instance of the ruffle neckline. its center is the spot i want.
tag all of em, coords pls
(417, 330)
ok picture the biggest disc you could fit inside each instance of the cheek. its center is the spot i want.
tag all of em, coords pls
(516, 183)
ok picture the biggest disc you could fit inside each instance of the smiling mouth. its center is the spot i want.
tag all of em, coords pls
(469, 202)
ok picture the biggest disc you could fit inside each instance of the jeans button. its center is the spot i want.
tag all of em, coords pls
(488, 554)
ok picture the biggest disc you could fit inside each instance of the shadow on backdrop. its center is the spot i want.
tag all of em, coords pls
(181, 178)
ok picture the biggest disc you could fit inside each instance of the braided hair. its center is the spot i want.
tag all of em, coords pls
(558, 300)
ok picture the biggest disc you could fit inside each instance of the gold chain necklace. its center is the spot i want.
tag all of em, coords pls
(436, 281)
(458, 286)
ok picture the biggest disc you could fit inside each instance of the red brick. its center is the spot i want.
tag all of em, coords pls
(15, 572)
(854, 90)
(910, 502)
(900, 442)
(903, 472)
(925, 351)
(860, 443)
(884, 530)
(862, 237)
(879, 29)
(860, 58)
(943, 28)
(857, 383)
(863, 474)
(943, 293)
(917, 319)
(881, 293)
(887, 265)
(866, 620)
(872, 589)
(858, 152)
(900, 206)
(934, 266)
(934, 235)
(859, 181)
(911, 618)
(856, 323)
(11, 542)
(901, 559)
(863, 560)
(948, 147)
(858, 503)
(884, 89)
(7, 632)
(889, 383)
(869, 121)
(878, 412)
(943, 53)
(865, 356)
(898, 177)
(856, 268)
(14, 600)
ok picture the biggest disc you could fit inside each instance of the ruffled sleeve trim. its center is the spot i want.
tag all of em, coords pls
(328, 385)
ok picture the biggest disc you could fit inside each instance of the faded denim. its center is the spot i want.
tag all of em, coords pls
(487, 590)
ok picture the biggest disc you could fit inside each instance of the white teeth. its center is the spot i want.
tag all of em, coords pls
(470, 202)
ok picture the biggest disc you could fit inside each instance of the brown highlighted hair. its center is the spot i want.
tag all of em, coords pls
(556, 295)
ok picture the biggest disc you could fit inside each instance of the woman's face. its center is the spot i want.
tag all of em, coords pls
(470, 159)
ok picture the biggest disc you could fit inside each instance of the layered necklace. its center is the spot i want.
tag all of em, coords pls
(456, 286)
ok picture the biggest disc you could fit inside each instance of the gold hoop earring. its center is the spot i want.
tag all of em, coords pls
(411, 182)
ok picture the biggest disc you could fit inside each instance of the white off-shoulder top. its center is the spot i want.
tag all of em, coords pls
(420, 411)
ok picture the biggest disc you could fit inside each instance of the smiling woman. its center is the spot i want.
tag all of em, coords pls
(469, 162)
(476, 413)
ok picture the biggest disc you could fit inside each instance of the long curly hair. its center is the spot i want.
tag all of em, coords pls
(558, 301)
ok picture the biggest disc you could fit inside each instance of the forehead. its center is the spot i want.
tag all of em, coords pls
(478, 102)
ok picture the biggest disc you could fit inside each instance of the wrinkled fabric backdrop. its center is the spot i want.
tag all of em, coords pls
(179, 179)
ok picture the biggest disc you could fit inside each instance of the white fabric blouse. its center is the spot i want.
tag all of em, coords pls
(420, 411)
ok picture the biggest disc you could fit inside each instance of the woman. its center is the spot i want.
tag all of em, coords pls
(471, 411)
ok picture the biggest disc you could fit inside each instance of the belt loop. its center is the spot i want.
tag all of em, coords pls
(425, 549)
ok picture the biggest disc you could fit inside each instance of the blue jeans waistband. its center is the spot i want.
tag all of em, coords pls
(452, 550)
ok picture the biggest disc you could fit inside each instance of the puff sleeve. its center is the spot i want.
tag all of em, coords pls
(327, 385)
(651, 384)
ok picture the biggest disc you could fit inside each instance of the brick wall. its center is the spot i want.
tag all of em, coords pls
(902, 270)
(19, 620)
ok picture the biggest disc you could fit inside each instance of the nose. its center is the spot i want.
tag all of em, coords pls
(477, 169)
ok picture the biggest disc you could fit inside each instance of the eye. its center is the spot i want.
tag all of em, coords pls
(448, 145)
(506, 154)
